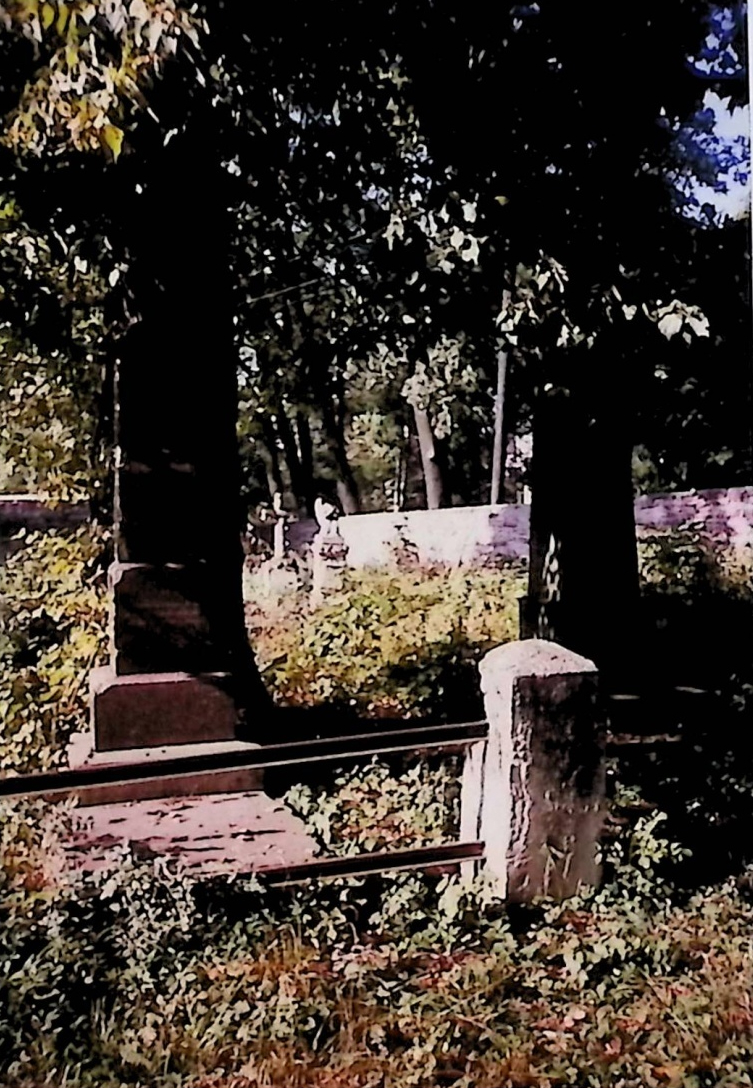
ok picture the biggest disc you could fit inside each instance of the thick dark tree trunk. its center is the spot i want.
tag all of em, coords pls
(292, 458)
(334, 429)
(306, 448)
(433, 476)
(583, 581)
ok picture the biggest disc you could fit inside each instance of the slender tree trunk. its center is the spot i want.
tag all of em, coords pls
(397, 500)
(433, 477)
(510, 488)
(270, 458)
(498, 454)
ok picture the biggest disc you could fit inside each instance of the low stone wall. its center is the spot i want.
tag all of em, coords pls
(726, 515)
(456, 535)
(467, 534)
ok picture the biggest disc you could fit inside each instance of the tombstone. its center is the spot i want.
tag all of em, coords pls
(534, 791)
(329, 553)
(278, 578)
(180, 668)
(280, 529)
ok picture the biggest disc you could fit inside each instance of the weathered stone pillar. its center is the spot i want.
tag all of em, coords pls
(534, 792)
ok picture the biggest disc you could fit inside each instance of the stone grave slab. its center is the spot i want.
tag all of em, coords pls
(219, 835)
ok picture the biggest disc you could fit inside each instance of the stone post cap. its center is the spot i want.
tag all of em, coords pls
(531, 657)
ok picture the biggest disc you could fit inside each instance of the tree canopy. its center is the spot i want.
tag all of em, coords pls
(397, 195)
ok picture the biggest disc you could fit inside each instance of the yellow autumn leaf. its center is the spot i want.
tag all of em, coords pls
(113, 138)
(62, 17)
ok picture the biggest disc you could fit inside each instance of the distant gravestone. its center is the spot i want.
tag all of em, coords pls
(278, 578)
(329, 553)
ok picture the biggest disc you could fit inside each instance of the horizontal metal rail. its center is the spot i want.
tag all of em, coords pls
(418, 739)
(384, 861)
(636, 740)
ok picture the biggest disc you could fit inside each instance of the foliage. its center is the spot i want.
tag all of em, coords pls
(92, 63)
(51, 355)
(376, 808)
(52, 632)
(391, 643)
(137, 977)
(376, 214)
(685, 561)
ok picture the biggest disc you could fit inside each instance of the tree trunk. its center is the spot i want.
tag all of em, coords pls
(292, 457)
(433, 479)
(270, 458)
(334, 429)
(498, 454)
(583, 577)
(306, 448)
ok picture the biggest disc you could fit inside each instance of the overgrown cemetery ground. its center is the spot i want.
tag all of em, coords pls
(138, 974)
(457, 790)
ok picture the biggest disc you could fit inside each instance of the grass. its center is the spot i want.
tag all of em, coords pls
(139, 978)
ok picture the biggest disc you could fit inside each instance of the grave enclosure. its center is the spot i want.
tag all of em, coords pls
(174, 714)
(532, 797)
(167, 711)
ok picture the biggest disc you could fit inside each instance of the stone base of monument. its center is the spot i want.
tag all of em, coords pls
(274, 581)
(329, 556)
(153, 709)
(81, 753)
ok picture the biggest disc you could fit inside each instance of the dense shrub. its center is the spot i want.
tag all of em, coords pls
(138, 978)
(698, 597)
(392, 643)
(687, 562)
(698, 610)
(52, 632)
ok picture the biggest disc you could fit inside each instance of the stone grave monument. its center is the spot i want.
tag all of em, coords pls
(329, 553)
(181, 672)
(279, 577)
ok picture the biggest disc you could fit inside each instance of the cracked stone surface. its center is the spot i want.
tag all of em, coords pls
(220, 834)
